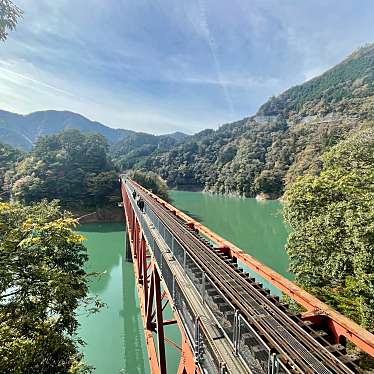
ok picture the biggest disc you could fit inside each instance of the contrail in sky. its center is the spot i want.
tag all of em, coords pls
(38, 82)
(213, 48)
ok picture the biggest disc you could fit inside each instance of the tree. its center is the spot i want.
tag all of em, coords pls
(151, 181)
(8, 159)
(332, 221)
(65, 166)
(269, 182)
(42, 282)
(103, 187)
(9, 16)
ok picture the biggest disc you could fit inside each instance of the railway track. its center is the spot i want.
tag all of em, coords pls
(295, 341)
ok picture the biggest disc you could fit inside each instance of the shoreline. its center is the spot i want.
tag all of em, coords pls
(100, 215)
(258, 197)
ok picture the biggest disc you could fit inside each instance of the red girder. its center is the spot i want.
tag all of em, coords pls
(338, 324)
(150, 299)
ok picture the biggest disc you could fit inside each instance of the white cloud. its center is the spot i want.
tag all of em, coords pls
(24, 80)
(21, 93)
(163, 65)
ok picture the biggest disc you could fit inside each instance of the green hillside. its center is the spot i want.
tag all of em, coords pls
(352, 79)
(133, 150)
(266, 152)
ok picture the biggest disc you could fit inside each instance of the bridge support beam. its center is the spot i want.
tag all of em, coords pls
(150, 296)
(338, 325)
(154, 318)
(128, 249)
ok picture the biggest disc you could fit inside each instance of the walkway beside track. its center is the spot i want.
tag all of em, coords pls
(231, 324)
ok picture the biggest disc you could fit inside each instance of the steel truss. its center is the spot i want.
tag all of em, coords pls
(151, 296)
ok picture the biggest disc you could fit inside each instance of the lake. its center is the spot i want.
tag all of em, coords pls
(114, 336)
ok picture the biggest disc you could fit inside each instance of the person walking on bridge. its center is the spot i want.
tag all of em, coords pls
(141, 204)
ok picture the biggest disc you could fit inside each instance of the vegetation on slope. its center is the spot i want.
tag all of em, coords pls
(132, 151)
(42, 282)
(8, 159)
(218, 161)
(267, 152)
(152, 182)
(71, 167)
(247, 157)
(351, 79)
(332, 220)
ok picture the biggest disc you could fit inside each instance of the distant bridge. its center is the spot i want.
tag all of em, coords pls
(228, 322)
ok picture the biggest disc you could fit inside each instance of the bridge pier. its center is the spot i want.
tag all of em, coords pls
(128, 255)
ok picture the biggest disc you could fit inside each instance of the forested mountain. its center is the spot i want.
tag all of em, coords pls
(75, 167)
(71, 166)
(22, 131)
(352, 79)
(132, 151)
(264, 153)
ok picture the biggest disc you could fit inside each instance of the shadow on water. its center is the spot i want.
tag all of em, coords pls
(102, 227)
(134, 350)
(106, 258)
(194, 216)
(114, 336)
(185, 211)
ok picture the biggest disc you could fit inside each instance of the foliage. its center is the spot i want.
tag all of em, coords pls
(8, 159)
(247, 157)
(103, 187)
(332, 221)
(267, 152)
(132, 151)
(151, 181)
(69, 166)
(42, 282)
(9, 16)
(352, 78)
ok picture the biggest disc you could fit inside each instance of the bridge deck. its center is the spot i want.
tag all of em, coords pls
(237, 322)
(213, 332)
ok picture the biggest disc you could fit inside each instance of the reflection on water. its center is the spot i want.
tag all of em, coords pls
(114, 336)
(133, 340)
(255, 226)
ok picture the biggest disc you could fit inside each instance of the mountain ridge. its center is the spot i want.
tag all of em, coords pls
(22, 130)
(261, 154)
(265, 153)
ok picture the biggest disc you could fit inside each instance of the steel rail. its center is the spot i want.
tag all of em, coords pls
(256, 308)
(254, 305)
(299, 347)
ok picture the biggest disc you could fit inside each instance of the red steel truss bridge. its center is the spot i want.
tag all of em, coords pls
(229, 323)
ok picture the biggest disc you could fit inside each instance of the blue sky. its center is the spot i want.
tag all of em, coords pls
(167, 65)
